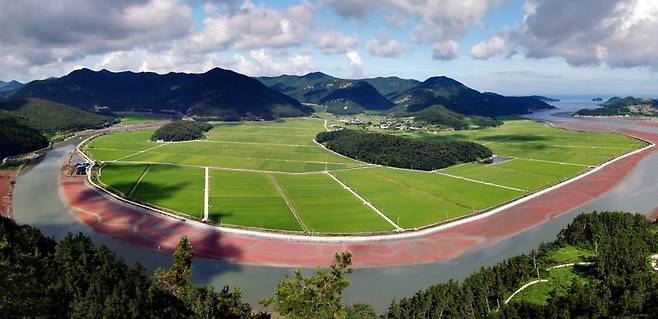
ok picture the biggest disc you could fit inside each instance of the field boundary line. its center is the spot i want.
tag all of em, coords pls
(138, 152)
(570, 146)
(288, 203)
(234, 142)
(555, 162)
(381, 214)
(481, 182)
(206, 195)
(241, 169)
(343, 156)
(325, 126)
(132, 189)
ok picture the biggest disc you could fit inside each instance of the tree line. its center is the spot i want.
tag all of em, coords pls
(396, 151)
(73, 278)
(181, 131)
(625, 285)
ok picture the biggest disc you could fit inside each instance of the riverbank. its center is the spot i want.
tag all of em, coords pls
(7, 178)
(138, 226)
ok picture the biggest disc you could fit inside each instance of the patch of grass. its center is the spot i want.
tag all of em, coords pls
(569, 254)
(559, 281)
(249, 199)
(325, 206)
(177, 188)
(141, 118)
(121, 177)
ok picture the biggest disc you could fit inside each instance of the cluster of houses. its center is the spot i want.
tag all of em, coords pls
(386, 125)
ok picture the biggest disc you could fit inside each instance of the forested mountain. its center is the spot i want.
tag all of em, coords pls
(355, 97)
(459, 98)
(218, 92)
(17, 138)
(341, 96)
(51, 118)
(8, 87)
(391, 86)
(616, 106)
(181, 131)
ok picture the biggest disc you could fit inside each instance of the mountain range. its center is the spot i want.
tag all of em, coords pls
(219, 93)
(401, 96)
(8, 87)
(227, 95)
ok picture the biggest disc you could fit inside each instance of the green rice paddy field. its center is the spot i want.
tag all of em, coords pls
(271, 175)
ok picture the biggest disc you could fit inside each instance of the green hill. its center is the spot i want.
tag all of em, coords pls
(392, 86)
(218, 92)
(459, 98)
(341, 96)
(17, 138)
(52, 118)
(181, 131)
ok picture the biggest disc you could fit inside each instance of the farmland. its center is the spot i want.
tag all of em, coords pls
(272, 175)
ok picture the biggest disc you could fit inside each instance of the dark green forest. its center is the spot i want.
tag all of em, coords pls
(51, 118)
(181, 131)
(439, 115)
(75, 279)
(624, 283)
(396, 151)
(17, 138)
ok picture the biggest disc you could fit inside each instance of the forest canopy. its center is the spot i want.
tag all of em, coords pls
(395, 151)
(181, 131)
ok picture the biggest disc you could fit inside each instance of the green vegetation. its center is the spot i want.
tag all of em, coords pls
(248, 199)
(41, 278)
(439, 115)
(620, 283)
(52, 119)
(255, 167)
(390, 150)
(181, 131)
(17, 138)
(141, 118)
(318, 296)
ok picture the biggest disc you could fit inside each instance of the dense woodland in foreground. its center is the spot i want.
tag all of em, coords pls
(181, 131)
(396, 151)
(74, 279)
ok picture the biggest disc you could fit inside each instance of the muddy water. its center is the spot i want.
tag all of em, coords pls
(37, 202)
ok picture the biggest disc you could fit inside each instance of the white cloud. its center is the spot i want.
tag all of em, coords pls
(617, 33)
(437, 21)
(354, 64)
(262, 62)
(486, 49)
(334, 42)
(388, 49)
(445, 50)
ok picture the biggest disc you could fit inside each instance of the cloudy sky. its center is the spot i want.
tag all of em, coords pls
(508, 46)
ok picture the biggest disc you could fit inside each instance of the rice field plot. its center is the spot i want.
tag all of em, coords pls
(248, 199)
(173, 187)
(407, 206)
(326, 207)
(122, 177)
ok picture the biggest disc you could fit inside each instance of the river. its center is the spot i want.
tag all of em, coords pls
(36, 202)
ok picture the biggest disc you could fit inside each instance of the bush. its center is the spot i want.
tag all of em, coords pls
(390, 150)
(181, 131)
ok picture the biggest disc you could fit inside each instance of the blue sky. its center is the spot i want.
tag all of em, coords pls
(551, 47)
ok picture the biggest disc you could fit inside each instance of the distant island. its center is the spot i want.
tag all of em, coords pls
(597, 99)
(627, 106)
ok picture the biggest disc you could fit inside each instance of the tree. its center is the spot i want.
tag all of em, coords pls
(177, 279)
(319, 296)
